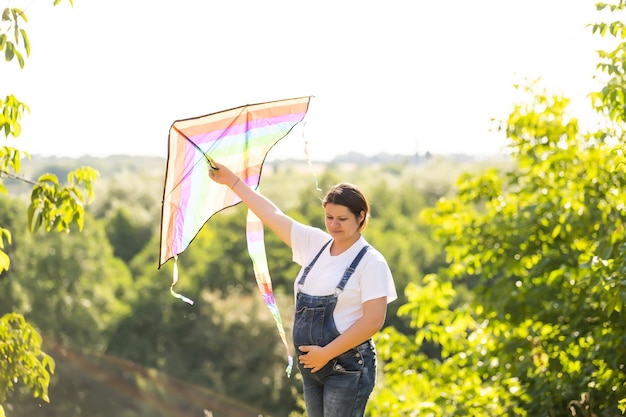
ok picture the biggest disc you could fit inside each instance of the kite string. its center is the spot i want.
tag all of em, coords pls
(306, 150)
(308, 160)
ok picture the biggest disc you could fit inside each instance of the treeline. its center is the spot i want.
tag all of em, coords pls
(124, 346)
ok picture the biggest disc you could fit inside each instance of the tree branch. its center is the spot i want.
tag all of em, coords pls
(12, 176)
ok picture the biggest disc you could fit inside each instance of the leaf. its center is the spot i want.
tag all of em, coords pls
(4, 233)
(5, 261)
(48, 178)
(26, 41)
(554, 274)
(17, 129)
(9, 52)
(35, 217)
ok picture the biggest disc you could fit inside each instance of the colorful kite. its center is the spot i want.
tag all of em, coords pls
(239, 138)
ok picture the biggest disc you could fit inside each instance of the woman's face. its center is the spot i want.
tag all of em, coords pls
(341, 223)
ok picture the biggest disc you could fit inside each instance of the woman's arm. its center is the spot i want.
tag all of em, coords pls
(374, 312)
(265, 209)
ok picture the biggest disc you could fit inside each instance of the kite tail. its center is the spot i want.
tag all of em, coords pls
(174, 281)
(256, 250)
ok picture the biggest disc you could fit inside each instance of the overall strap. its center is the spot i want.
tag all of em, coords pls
(350, 270)
(308, 268)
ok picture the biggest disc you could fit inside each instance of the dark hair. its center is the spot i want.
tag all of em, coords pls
(350, 196)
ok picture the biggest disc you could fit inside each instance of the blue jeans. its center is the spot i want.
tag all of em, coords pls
(343, 386)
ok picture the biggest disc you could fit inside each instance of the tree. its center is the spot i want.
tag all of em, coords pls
(529, 312)
(53, 207)
(20, 348)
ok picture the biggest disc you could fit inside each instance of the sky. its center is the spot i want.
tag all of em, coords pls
(109, 77)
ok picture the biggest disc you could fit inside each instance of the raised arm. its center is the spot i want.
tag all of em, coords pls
(265, 209)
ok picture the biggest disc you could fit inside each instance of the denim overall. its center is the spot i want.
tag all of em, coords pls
(342, 387)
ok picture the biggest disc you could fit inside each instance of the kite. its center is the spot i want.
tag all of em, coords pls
(240, 139)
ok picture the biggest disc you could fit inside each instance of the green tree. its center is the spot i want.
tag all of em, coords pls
(129, 203)
(127, 237)
(70, 286)
(541, 330)
(209, 343)
(22, 358)
(53, 207)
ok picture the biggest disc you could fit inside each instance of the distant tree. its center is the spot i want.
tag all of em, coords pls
(204, 343)
(70, 286)
(53, 207)
(127, 236)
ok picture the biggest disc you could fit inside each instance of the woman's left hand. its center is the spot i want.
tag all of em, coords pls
(314, 357)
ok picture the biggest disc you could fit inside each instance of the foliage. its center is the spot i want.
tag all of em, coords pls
(611, 99)
(12, 111)
(84, 292)
(126, 237)
(53, 207)
(13, 37)
(542, 251)
(56, 207)
(20, 348)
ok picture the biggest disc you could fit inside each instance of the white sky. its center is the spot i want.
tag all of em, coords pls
(110, 76)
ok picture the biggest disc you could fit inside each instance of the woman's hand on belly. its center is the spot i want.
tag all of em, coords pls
(314, 358)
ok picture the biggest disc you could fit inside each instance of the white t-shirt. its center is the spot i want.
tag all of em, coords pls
(371, 279)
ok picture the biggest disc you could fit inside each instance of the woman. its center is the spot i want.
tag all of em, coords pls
(341, 296)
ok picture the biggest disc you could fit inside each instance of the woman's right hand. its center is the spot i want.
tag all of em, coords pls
(266, 210)
(222, 175)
